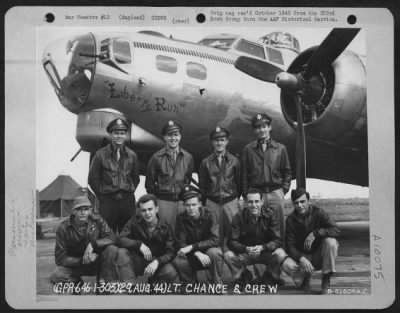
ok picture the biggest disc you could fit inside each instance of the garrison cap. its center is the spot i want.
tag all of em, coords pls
(170, 127)
(117, 124)
(260, 119)
(189, 192)
(297, 193)
(80, 202)
(219, 132)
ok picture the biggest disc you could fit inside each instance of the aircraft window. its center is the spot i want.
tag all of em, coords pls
(296, 44)
(196, 70)
(274, 55)
(223, 44)
(166, 64)
(250, 48)
(122, 52)
(52, 73)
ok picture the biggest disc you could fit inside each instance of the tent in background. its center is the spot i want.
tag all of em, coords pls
(56, 199)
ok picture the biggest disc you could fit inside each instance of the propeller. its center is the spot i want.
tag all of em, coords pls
(306, 86)
(257, 68)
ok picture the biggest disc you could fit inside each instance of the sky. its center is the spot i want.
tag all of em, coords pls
(56, 127)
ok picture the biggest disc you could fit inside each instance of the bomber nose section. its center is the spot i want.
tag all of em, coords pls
(70, 65)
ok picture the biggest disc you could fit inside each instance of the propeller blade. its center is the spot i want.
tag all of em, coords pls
(259, 69)
(333, 45)
(300, 146)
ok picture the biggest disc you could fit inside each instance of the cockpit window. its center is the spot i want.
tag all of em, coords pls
(274, 55)
(250, 48)
(122, 52)
(166, 64)
(219, 43)
(196, 70)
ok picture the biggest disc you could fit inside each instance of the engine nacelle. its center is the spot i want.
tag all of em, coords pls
(91, 132)
(340, 105)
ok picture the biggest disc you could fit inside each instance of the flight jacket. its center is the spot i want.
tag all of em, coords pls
(317, 221)
(202, 233)
(71, 244)
(220, 184)
(165, 179)
(267, 171)
(107, 175)
(248, 231)
(160, 242)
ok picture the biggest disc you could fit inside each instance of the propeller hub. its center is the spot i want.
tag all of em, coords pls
(287, 82)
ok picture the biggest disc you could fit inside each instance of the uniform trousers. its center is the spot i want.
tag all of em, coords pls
(103, 268)
(132, 264)
(168, 210)
(225, 213)
(117, 209)
(237, 262)
(188, 265)
(323, 258)
(276, 200)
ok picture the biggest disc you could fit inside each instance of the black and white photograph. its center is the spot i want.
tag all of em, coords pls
(213, 157)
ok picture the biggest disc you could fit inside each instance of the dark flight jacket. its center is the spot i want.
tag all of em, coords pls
(267, 171)
(71, 244)
(220, 184)
(247, 231)
(317, 221)
(166, 180)
(202, 233)
(107, 175)
(160, 242)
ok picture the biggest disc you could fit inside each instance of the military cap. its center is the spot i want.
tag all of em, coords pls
(81, 201)
(170, 127)
(189, 192)
(219, 132)
(117, 124)
(297, 193)
(260, 119)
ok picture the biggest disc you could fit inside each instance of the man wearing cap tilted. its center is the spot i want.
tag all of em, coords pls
(310, 240)
(197, 238)
(265, 165)
(219, 181)
(114, 176)
(84, 246)
(168, 170)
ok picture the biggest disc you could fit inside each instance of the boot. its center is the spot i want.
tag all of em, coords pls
(326, 281)
(245, 278)
(268, 278)
(305, 285)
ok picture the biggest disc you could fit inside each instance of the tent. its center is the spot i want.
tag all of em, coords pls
(56, 199)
